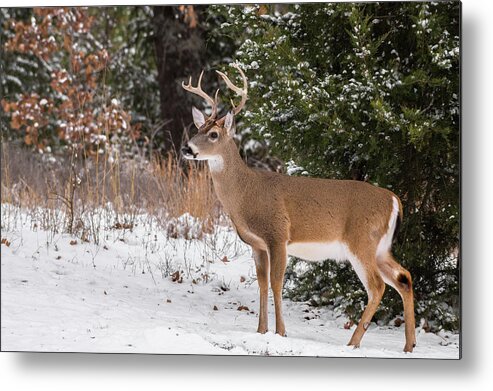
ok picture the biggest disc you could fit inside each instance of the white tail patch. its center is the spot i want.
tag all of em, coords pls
(386, 240)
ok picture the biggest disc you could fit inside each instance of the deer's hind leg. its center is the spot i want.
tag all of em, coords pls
(400, 279)
(370, 277)
(363, 260)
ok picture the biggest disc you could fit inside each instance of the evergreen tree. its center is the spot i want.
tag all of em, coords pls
(368, 91)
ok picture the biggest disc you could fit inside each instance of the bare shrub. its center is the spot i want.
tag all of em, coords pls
(95, 193)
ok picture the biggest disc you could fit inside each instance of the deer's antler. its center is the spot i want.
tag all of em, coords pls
(198, 91)
(243, 92)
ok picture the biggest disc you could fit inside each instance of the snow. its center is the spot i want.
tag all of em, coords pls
(121, 296)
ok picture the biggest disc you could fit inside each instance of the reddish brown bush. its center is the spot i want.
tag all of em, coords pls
(78, 111)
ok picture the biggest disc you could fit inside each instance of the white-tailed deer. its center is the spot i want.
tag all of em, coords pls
(312, 219)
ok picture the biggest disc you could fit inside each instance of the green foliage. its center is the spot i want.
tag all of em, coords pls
(367, 91)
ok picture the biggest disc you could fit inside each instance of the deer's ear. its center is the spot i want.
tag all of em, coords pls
(229, 124)
(198, 117)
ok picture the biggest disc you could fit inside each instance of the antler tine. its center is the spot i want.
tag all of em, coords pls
(243, 92)
(198, 91)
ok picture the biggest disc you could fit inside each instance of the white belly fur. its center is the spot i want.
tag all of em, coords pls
(319, 251)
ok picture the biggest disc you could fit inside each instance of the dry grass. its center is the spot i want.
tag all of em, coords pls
(70, 193)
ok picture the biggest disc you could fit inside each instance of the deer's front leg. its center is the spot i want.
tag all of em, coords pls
(262, 265)
(278, 259)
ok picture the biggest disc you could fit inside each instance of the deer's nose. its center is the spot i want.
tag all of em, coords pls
(186, 150)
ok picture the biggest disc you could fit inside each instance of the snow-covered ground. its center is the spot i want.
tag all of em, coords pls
(59, 293)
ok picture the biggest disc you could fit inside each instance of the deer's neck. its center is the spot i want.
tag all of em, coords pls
(229, 174)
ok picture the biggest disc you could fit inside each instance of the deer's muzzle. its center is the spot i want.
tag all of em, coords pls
(187, 152)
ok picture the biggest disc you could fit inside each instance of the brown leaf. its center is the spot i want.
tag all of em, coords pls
(225, 259)
(67, 43)
(242, 279)
(243, 308)
(6, 242)
(398, 322)
(14, 123)
(168, 300)
(5, 105)
(189, 15)
(119, 225)
(262, 10)
(73, 242)
(176, 277)
(215, 308)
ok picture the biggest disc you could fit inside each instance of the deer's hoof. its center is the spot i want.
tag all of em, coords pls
(409, 348)
(354, 341)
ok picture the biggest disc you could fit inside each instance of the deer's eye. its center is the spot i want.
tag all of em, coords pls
(213, 135)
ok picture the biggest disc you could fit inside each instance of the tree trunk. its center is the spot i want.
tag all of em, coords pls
(180, 50)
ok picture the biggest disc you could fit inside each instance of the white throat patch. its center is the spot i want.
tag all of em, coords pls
(216, 163)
